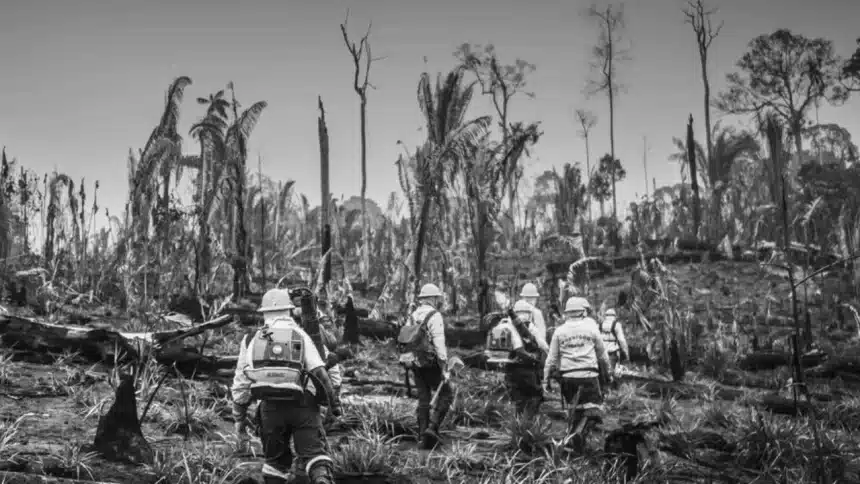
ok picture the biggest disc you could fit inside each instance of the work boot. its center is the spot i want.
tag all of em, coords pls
(321, 473)
(430, 438)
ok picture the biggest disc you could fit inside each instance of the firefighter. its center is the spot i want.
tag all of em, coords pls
(423, 350)
(280, 366)
(578, 359)
(614, 340)
(516, 346)
(529, 295)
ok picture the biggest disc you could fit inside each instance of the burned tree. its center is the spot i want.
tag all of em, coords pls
(694, 180)
(361, 52)
(607, 55)
(700, 20)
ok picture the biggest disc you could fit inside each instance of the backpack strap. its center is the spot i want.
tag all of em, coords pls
(427, 318)
(612, 329)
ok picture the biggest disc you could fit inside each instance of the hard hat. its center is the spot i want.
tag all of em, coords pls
(585, 303)
(610, 312)
(276, 300)
(522, 307)
(529, 290)
(429, 290)
(575, 304)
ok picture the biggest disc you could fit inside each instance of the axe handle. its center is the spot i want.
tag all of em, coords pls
(436, 393)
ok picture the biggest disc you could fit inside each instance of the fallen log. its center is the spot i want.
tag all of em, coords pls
(769, 360)
(786, 406)
(842, 366)
(94, 344)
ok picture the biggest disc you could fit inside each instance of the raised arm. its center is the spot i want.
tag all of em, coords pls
(241, 389)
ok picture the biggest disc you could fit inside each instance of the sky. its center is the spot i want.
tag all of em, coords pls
(84, 80)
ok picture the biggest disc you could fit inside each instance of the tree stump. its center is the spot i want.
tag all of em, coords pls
(119, 437)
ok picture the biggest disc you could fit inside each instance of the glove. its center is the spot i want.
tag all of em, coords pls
(446, 375)
(336, 410)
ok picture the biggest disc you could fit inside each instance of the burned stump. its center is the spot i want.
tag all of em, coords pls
(119, 437)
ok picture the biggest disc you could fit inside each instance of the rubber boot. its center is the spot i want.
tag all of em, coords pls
(423, 420)
(321, 473)
(431, 437)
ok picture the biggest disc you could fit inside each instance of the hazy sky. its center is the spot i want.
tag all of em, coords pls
(84, 80)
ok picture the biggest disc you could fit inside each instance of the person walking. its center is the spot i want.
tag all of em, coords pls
(578, 360)
(280, 367)
(422, 350)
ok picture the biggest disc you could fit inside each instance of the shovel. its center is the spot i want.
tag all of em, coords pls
(455, 364)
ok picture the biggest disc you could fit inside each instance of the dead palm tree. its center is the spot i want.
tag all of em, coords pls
(433, 166)
(221, 180)
(162, 150)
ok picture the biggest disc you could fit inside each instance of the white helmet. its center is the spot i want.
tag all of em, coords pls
(276, 300)
(529, 290)
(523, 309)
(429, 290)
(585, 303)
(610, 312)
(575, 304)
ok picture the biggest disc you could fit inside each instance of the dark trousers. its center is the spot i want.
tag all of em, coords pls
(524, 388)
(587, 393)
(427, 380)
(280, 421)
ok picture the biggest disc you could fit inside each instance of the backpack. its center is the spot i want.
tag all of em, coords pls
(500, 344)
(277, 369)
(414, 345)
(611, 333)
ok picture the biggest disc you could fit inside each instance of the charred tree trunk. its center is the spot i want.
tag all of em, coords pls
(325, 193)
(694, 180)
(419, 243)
(119, 437)
(365, 227)
(350, 334)
(326, 246)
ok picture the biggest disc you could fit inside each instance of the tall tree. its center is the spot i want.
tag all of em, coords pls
(694, 180)
(501, 83)
(699, 19)
(607, 55)
(785, 74)
(587, 120)
(361, 53)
